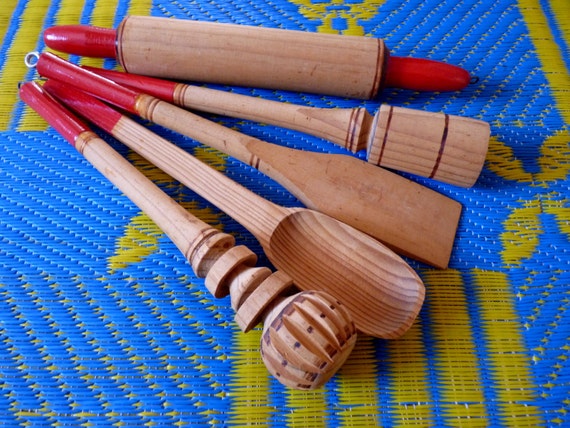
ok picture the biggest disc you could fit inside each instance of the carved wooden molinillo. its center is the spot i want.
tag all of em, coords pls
(308, 335)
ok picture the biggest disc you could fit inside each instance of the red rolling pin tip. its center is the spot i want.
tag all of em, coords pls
(425, 75)
(82, 40)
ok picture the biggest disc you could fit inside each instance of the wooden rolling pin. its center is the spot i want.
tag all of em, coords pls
(348, 66)
(447, 148)
(307, 336)
(381, 291)
(409, 218)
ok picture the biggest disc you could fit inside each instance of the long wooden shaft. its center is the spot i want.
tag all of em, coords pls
(448, 148)
(346, 127)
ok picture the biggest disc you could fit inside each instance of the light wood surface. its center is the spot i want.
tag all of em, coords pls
(348, 66)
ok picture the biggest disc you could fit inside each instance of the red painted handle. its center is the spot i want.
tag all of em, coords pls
(420, 74)
(82, 40)
(53, 67)
(61, 119)
(84, 104)
(158, 88)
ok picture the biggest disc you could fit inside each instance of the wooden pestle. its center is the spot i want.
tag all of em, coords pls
(307, 336)
(350, 66)
(381, 291)
(409, 218)
(447, 148)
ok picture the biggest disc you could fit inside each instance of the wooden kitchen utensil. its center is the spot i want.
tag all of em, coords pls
(448, 148)
(380, 290)
(349, 66)
(409, 218)
(307, 336)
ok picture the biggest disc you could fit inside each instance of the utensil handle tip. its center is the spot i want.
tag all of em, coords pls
(84, 104)
(65, 122)
(159, 88)
(51, 66)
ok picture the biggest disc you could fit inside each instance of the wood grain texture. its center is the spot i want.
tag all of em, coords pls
(347, 66)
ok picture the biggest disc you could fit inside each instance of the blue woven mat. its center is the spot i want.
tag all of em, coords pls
(102, 321)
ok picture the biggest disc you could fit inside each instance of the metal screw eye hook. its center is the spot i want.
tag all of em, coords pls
(31, 59)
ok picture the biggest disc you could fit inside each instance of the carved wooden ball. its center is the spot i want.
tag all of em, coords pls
(306, 338)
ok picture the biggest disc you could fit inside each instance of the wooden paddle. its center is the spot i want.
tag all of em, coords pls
(409, 218)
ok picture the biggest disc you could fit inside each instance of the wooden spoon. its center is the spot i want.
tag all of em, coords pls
(380, 290)
(411, 219)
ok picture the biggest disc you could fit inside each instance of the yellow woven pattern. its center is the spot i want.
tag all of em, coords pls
(472, 359)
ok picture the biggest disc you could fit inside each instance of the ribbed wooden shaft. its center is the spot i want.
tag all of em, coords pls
(319, 329)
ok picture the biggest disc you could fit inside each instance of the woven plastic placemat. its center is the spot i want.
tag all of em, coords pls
(102, 321)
